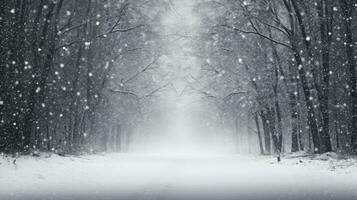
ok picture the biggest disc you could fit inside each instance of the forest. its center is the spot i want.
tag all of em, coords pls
(178, 99)
(82, 76)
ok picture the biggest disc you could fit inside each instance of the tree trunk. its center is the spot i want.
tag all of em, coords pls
(322, 92)
(267, 134)
(347, 10)
(325, 34)
(294, 123)
(261, 148)
(311, 117)
(39, 84)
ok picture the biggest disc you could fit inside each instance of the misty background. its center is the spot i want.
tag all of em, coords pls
(178, 99)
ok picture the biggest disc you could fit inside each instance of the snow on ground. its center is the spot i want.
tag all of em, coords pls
(186, 177)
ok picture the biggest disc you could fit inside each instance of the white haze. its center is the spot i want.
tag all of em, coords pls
(183, 124)
(180, 151)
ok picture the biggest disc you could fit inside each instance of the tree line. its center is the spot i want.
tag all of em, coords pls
(81, 75)
(291, 64)
(67, 71)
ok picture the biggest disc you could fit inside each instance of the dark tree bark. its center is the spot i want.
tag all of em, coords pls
(261, 148)
(325, 18)
(347, 10)
(267, 134)
(37, 87)
(311, 117)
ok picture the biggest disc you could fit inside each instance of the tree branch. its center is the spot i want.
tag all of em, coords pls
(141, 71)
(257, 33)
(124, 92)
(154, 91)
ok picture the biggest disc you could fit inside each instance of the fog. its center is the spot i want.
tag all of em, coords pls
(178, 99)
(183, 121)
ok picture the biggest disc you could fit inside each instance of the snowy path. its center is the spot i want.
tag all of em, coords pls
(154, 177)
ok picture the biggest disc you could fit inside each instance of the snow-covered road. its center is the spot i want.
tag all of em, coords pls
(167, 177)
